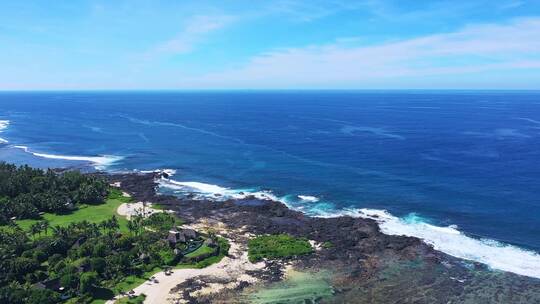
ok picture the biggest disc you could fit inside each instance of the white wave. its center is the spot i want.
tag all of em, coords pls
(308, 198)
(169, 172)
(534, 121)
(3, 125)
(453, 242)
(100, 162)
(354, 130)
(446, 239)
(500, 134)
(214, 192)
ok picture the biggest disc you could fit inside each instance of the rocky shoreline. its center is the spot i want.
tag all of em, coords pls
(364, 265)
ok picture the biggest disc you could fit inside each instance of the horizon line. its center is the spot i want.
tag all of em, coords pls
(259, 90)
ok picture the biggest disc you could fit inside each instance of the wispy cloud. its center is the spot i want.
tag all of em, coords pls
(473, 49)
(193, 33)
(315, 9)
(511, 4)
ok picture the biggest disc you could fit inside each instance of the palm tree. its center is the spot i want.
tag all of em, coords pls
(132, 227)
(45, 226)
(114, 223)
(60, 232)
(35, 229)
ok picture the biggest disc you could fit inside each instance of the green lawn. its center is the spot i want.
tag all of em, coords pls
(204, 249)
(135, 300)
(277, 246)
(101, 212)
(91, 213)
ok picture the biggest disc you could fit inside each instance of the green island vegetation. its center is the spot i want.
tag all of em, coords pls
(66, 245)
(25, 192)
(277, 246)
(327, 245)
(84, 212)
(134, 300)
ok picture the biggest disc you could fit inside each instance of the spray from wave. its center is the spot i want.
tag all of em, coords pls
(3, 125)
(99, 162)
(446, 239)
(197, 190)
(308, 198)
(452, 241)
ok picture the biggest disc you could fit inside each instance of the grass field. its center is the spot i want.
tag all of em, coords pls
(90, 213)
(277, 246)
(104, 211)
(204, 249)
(135, 300)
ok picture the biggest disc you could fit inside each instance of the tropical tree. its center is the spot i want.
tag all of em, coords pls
(35, 229)
(44, 225)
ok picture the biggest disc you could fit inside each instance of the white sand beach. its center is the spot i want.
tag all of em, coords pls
(231, 268)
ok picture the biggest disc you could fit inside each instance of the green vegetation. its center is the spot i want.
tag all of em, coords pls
(89, 213)
(327, 245)
(83, 253)
(25, 192)
(277, 246)
(161, 221)
(203, 250)
(135, 300)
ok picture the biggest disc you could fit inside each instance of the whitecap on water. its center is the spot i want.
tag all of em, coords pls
(453, 242)
(3, 125)
(308, 198)
(446, 239)
(99, 162)
(214, 192)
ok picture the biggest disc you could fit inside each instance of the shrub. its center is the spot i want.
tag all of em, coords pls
(277, 246)
(87, 281)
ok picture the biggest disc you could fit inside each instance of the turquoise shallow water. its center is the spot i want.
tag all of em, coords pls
(468, 160)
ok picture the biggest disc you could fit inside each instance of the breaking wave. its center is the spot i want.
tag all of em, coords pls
(3, 125)
(452, 241)
(448, 239)
(308, 198)
(201, 191)
(99, 162)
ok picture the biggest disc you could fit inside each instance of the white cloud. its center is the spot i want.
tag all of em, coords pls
(511, 4)
(194, 32)
(307, 11)
(473, 49)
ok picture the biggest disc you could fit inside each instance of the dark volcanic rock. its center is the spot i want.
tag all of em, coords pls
(368, 266)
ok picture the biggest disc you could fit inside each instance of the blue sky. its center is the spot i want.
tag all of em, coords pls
(282, 44)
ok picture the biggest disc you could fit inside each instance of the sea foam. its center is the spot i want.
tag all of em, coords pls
(453, 242)
(214, 192)
(308, 198)
(3, 125)
(99, 162)
(446, 239)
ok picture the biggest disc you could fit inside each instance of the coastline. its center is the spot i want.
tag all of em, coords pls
(440, 232)
(361, 259)
(448, 239)
(361, 241)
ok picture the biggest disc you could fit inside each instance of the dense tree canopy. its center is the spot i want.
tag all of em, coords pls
(72, 261)
(25, 191)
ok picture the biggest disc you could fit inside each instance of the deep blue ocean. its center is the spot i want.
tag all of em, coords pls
(459, 169)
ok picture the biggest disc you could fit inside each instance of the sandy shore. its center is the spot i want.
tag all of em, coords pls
(130, 209)
(232, 268)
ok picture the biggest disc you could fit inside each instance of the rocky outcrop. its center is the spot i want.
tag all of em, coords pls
(367, 265)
